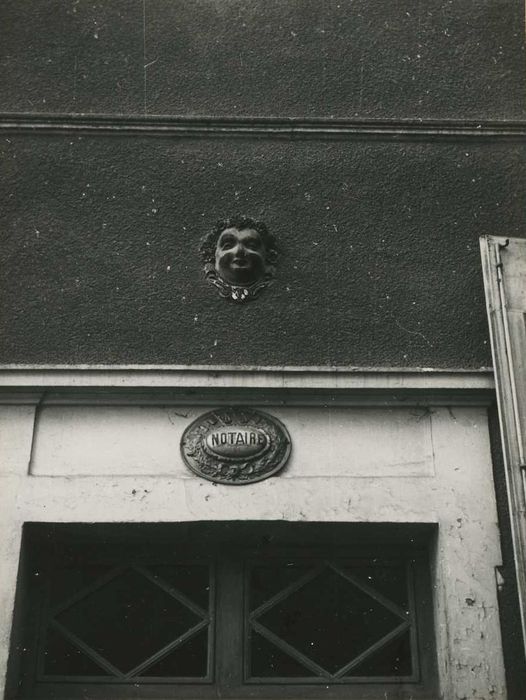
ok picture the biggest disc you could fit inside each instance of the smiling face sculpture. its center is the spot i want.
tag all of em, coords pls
(239, 256)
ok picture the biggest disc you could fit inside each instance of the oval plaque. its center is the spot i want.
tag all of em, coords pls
(236, 442)
(235, 446)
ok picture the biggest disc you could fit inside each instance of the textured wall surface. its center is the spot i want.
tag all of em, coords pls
(456, 494)
(379, 259)
(133, 441)
(438, 59)
(379, 262)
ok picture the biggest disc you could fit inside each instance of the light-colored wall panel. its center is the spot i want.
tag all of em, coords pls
(348, 465)
(124, 440)
(16, 436)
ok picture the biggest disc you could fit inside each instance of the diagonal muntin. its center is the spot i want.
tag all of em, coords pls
(370, 591)
(290, 650)
(99, 583)
(297, 655)
(392, 607)
(108, 666)
(397, 631)
(288, 590)
(167, 649)
(87, 590)
(86, 649)
(313, 666)
(172, 591)
(114, 573)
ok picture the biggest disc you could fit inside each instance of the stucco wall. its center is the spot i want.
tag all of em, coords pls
(395, 465)
(379, 261)
(378, 230)
(284, 58)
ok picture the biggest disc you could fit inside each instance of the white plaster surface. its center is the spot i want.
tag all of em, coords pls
(16, 431)
(16, 435)
(125, 440)
(424, 466)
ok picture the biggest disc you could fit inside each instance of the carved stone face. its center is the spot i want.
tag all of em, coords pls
(240, 256)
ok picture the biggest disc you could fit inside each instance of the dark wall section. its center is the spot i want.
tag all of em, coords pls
(438, 59)
(379, 261)
(72, 56)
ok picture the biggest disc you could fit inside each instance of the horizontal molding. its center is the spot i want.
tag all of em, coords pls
(250, 376)
(264, 127)
(249, 386)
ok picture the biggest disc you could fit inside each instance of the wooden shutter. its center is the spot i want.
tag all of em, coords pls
(504, 264)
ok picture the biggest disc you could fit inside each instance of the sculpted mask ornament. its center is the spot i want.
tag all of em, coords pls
(239, 257)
